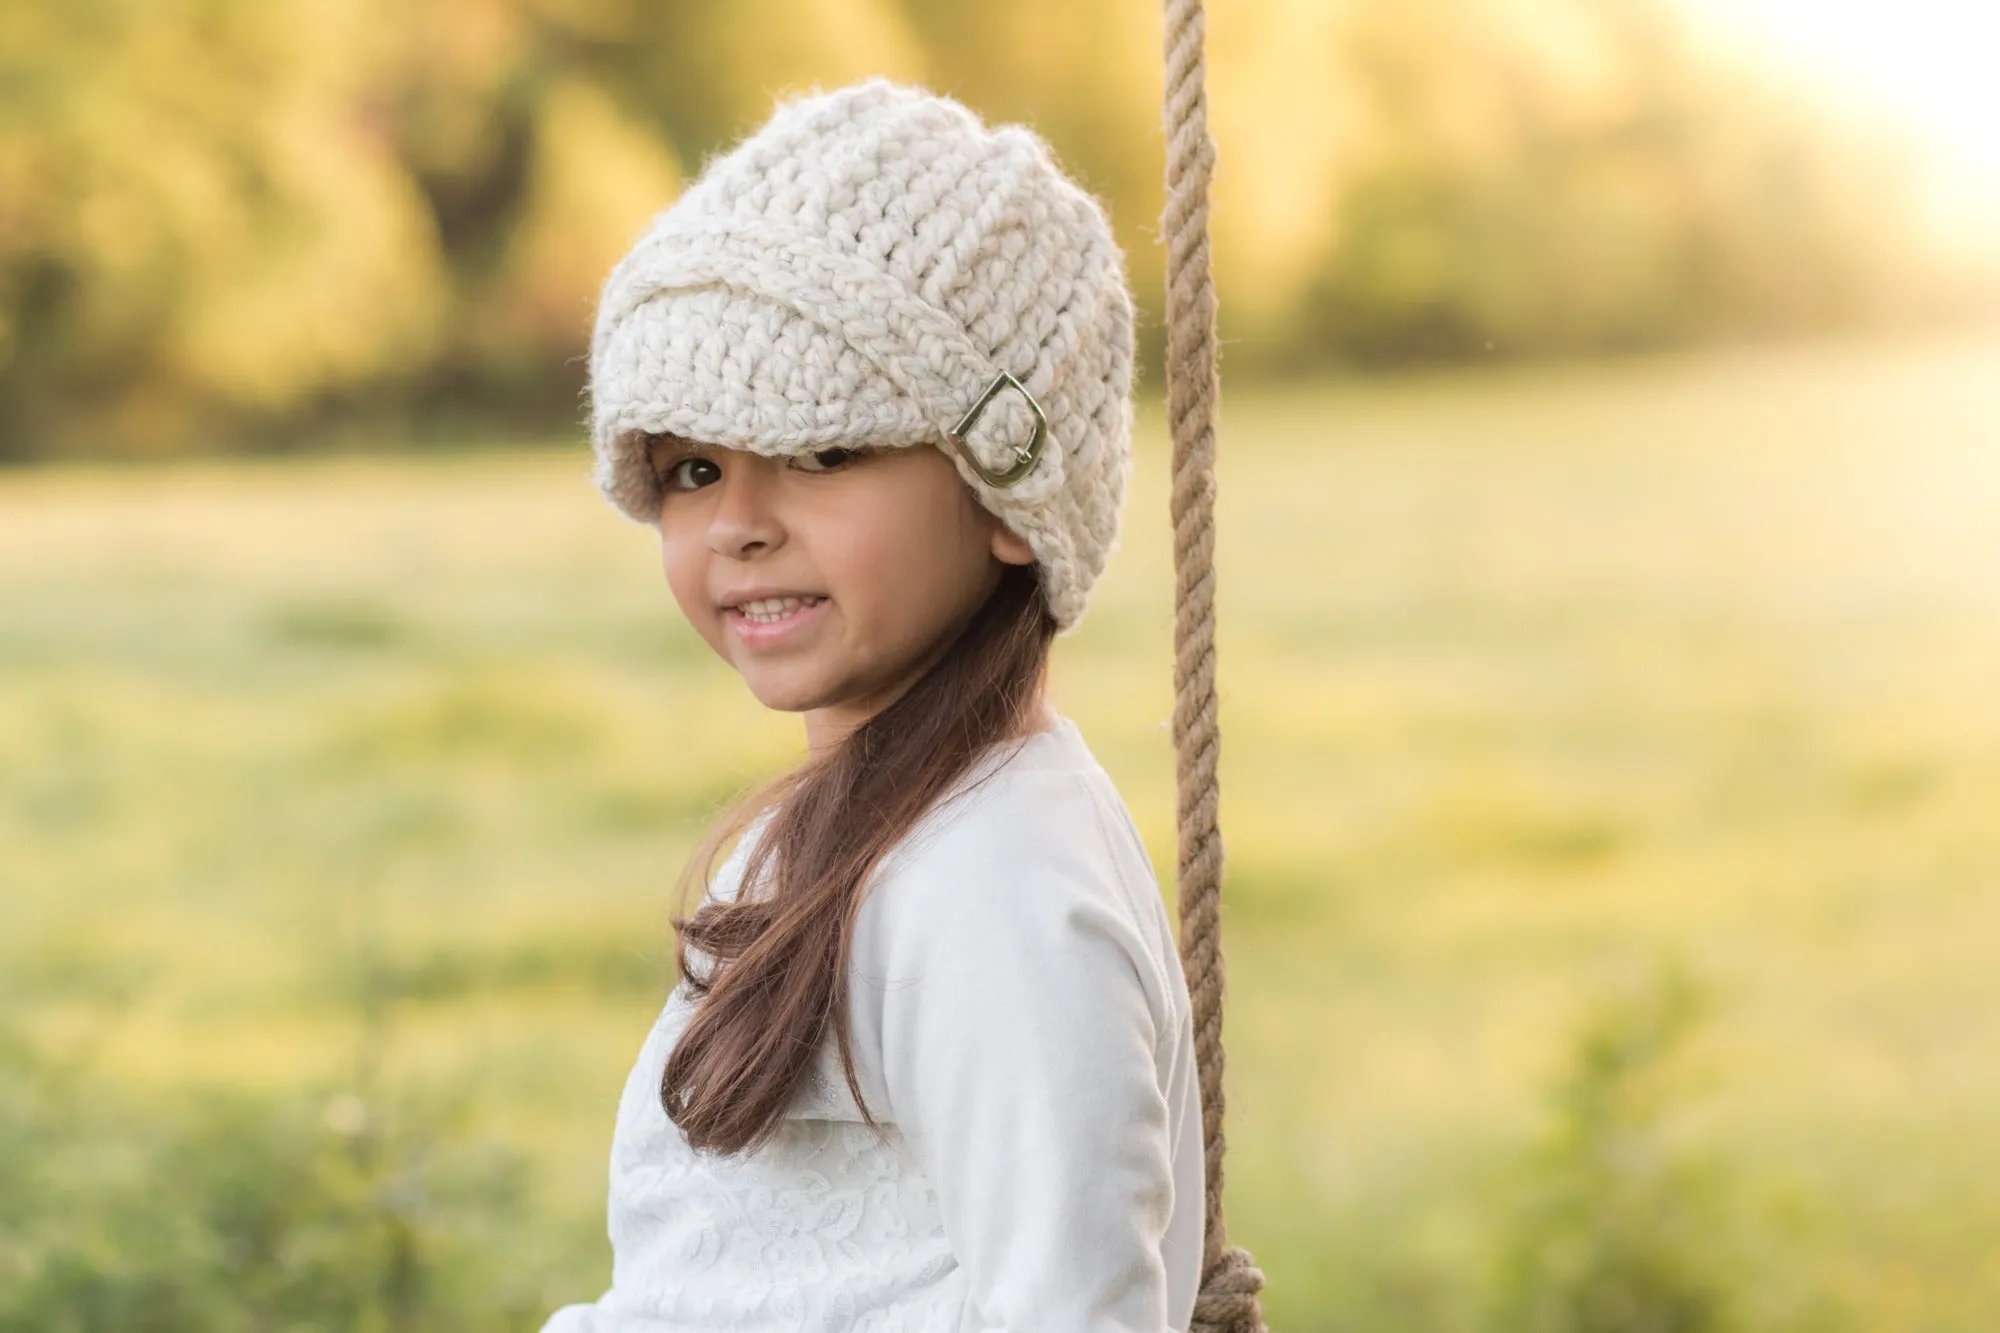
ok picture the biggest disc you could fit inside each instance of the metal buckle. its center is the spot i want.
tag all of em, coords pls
(1024, 454)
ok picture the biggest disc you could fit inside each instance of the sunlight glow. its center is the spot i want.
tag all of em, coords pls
(1930, 63)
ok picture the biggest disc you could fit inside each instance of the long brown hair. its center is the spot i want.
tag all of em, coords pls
(779, 973)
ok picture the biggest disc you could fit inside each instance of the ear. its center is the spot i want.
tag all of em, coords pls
(1010, 548)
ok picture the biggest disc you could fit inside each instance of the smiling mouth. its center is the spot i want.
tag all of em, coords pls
(771, 610)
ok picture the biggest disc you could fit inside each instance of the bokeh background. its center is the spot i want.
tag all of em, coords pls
(1610, 560)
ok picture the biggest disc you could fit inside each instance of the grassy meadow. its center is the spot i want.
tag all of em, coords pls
(358, 785)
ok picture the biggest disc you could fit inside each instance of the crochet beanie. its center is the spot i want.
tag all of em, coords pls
(874, 266)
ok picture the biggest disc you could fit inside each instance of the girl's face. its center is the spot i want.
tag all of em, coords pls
(829, 581)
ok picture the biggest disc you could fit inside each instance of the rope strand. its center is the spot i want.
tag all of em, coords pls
(1227, 1300)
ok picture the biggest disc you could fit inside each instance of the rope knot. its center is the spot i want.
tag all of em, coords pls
(1227, 1301)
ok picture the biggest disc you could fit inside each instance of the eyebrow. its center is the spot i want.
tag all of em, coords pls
(669, 446)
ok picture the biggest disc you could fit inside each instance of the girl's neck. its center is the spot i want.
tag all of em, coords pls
(823, 733)
(1042, 716)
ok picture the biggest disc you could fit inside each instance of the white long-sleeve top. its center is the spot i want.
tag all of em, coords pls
(1021, 1028)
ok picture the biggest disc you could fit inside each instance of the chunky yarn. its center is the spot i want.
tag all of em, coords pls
(858, 272)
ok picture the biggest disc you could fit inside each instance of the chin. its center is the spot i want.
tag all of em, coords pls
(790, 696)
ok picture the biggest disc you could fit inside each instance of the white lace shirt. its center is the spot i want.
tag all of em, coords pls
(1020, 1025)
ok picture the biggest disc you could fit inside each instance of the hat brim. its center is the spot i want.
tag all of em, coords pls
(725, 366)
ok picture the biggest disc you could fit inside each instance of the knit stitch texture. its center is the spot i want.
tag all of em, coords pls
(857, 272)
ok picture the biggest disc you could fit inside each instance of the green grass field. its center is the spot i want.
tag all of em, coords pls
(1530, 681)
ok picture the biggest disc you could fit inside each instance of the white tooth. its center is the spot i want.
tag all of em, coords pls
(766, 609)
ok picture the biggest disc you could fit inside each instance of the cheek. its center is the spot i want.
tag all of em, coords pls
(914, 547)
(865, 565)
(681, 560)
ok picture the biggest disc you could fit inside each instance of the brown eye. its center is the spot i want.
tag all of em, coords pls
(691, 474)
(824, 460)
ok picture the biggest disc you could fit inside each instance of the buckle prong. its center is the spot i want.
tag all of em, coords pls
(1024, 454)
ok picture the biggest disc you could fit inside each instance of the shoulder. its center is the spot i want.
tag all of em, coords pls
(1014, 812)
(1021, 822)
(1036, 864)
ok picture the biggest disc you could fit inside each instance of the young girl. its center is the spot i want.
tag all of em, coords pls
(932, 1070)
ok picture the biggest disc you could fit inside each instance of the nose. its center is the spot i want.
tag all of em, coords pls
(744, 522)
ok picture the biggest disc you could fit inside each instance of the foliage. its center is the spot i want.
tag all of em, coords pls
(230, 221)
(216, 1211)
(1620, 1228)
(1568, 176)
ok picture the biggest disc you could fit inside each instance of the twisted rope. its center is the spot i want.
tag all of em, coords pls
(1227, 1300)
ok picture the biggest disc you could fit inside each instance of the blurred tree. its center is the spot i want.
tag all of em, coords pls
(235, 220)
(593, 179)
(198, 220)
(1561, 176)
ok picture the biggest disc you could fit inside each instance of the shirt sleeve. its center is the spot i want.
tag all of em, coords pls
(1020, 1034)
(573, 1319)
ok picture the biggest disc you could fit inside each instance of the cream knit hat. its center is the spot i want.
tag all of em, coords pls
(870, 267)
